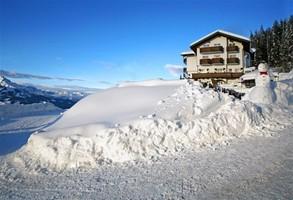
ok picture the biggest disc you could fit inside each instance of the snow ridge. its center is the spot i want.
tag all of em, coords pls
(201, 118)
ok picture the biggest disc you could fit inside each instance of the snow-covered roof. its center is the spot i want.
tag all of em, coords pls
(219, 31)
(187, 53)
(249, 69)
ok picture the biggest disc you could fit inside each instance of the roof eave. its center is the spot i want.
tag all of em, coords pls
(225, 33)
(187, 53)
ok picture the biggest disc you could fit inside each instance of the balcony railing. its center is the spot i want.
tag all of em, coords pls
(233, 61)
(205, 61)
(218, 61)
(227, 75)
(232, 49)
(206, 50)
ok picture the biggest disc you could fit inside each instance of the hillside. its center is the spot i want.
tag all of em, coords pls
(12, 93)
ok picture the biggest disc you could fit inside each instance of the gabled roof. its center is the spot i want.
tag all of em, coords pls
(220, 32)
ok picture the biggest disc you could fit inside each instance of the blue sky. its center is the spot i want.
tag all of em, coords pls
(105, 42)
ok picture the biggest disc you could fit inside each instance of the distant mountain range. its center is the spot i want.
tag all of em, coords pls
(62, 96)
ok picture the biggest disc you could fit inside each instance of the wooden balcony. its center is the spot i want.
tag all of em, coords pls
(233, 61)
(217, 75)
(205, 61)
(218, 61)
(232, 49)
(208, 50)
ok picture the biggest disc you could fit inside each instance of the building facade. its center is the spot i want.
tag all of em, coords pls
(220, 56)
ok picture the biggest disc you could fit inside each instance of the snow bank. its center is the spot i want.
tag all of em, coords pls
(168, 118)
(284, 92)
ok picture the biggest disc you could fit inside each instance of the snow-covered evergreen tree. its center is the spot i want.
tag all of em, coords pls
(275, 45)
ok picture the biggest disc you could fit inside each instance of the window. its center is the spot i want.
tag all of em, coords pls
(231, 43)
(230, 70)
(206, 45)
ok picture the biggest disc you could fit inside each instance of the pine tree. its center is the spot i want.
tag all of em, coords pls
(289, 44)
(276, 41)
(275, 45)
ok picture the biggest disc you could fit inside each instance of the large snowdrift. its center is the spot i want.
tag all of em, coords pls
(118, 104)
(141, 121)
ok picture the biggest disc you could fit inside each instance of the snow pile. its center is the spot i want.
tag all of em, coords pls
(118, 105)
(159, 120)
(261, 95)
(284, 92)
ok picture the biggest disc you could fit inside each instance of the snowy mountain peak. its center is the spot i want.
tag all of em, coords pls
(4, 82)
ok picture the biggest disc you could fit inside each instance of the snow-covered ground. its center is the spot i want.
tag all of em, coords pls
(162, 140)
(17, 122)
(249, 168)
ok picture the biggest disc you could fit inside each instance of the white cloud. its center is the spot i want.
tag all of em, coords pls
(174, 70)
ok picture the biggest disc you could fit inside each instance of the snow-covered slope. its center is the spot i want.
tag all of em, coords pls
(19, 121)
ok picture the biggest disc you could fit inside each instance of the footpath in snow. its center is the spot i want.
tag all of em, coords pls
(147, 120)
